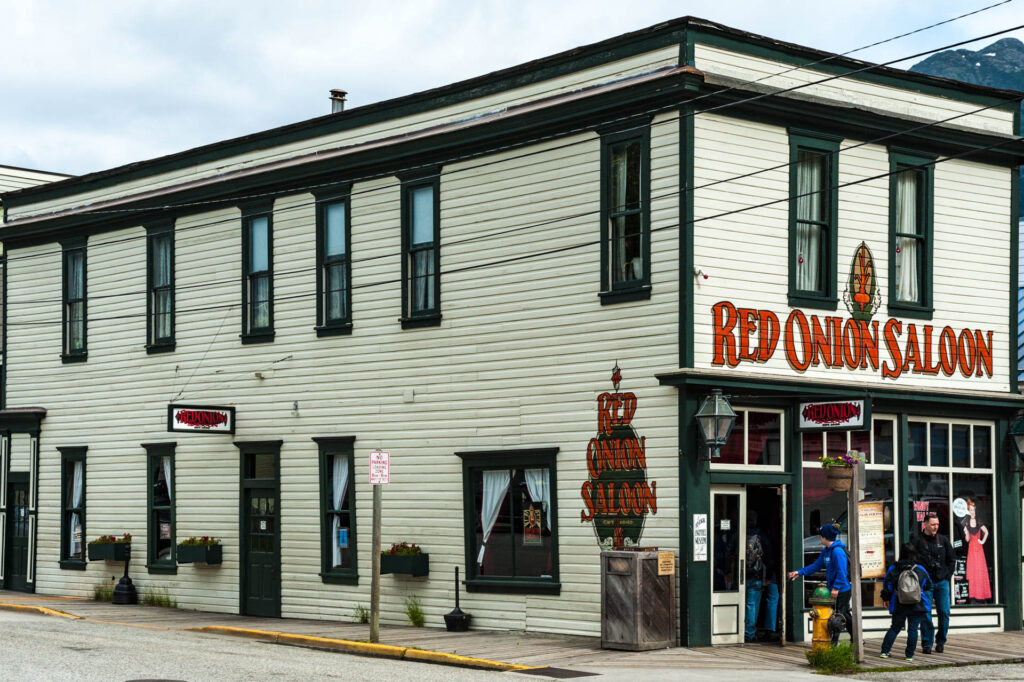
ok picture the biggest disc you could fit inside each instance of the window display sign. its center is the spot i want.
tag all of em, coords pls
(343, 538)
(844, 415)
(205, 419)
(617, 496)
(871, 520)
(531, 525)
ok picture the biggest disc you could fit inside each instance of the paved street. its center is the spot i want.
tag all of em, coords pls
(965, 672)
(39, 648)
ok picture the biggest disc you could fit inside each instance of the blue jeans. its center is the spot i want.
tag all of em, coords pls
(771, 607)
(939, 594)
(914, 620)
(754, 588)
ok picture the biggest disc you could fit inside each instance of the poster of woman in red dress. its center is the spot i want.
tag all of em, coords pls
(976, 535)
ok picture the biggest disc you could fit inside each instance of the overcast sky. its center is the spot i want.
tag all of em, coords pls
(92, 85)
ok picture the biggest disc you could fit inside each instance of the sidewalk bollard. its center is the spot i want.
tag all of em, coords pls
(457, 620)
(124, 592)
(821, 610)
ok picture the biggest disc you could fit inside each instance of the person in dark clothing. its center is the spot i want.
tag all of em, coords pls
(913, 614)
(936, 555)
(759, 567)
(836, 564)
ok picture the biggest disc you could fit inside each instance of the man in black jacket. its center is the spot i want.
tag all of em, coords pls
(936, 555)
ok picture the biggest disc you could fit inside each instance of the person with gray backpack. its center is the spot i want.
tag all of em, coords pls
(906, 591)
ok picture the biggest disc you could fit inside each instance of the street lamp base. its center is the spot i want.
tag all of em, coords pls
(124, 592)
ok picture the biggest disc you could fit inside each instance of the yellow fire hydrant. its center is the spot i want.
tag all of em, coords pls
(821, 610)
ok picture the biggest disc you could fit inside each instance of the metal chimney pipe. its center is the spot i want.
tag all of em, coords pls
(337, 100)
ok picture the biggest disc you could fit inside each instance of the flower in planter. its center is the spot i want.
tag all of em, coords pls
(203, 541)
(404, 549)
(112, 540)
(847, 459)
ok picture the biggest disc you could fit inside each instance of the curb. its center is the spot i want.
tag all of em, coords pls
(365, 648)
(41, 610)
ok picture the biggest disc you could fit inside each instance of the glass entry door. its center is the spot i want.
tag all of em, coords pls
(728, 545)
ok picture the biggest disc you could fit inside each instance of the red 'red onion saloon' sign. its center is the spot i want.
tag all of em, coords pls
(205, 419)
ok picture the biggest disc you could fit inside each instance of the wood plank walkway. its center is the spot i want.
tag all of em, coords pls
(533, 649)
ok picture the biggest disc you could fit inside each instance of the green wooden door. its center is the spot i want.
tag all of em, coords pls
(262, 593)
(16, 561)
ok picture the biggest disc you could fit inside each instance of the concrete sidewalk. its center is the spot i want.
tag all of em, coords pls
(495, 650)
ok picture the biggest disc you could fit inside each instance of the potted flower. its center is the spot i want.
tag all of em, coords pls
(110, 547)
(405, 557)
(839, 469)
(199, 550)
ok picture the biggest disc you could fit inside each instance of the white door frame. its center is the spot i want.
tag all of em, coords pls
(728, 608)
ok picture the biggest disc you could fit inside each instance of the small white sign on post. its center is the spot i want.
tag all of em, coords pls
(380, 468)
(700, 537)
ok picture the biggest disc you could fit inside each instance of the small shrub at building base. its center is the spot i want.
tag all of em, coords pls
(361, 614)
(839, 659)
(103, 592)
(158, 596)
(414, 612)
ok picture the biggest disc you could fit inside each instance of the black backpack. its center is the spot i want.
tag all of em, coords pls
(755, 556)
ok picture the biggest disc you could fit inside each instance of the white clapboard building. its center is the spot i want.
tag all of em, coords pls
(522, 287)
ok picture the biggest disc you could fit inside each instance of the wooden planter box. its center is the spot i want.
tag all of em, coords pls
(416, 565)
(109, 551)
(200, 554)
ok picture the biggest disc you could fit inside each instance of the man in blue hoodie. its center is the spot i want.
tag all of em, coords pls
(837, 570)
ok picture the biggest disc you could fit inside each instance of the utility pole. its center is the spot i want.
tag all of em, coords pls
(853, 539)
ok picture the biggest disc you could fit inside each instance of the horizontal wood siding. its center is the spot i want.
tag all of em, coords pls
(747, 259)
(522, 352)
(604, 73)
(892, 100)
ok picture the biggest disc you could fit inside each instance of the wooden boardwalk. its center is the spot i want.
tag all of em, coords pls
(554, 651)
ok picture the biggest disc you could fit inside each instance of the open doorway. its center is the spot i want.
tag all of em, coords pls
(764, 565)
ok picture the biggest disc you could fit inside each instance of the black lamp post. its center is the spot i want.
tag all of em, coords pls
(1017, 444)
(715, 417)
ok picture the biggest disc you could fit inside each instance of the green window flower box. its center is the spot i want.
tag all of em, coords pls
(200, 554)
(109, 551)
(416, 565)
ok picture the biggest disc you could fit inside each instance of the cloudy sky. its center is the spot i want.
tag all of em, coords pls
(92, 85)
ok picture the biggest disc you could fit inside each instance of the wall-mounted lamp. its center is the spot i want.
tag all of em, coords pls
(1017, 444)
(715, 419)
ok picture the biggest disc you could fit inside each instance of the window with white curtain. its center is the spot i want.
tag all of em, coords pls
(72, 526)
(160, 547)
(257, 277)
(160, 275)
(813, 203)
(74, 309)
(625, 208)
(337, 502)
(910, 228)
(512, 516)
(421, 237)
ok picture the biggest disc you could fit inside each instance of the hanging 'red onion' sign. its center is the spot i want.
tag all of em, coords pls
(617, 496)
(843, 415)
(205, 419)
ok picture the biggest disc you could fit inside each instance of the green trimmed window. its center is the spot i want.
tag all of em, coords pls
(421, 245)
(625, 215)
(334, 275)
(257, 276)
(911, 198)
(160, 288)
(511, 518)
(74, 308)
(337, 503)
(72, 517)
(160, 497)
(813, 219)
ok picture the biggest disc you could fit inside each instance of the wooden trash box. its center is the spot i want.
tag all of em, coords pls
(637, 604)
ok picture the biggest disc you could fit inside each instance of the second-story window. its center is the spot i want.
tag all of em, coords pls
(910, 228)
(334, 276)
(74, 302)
(422, 255)
(813, 214)
(257, 278)
(160, 276)
(625, 202)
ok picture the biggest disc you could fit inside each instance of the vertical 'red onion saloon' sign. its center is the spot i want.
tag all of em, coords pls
(616, 495)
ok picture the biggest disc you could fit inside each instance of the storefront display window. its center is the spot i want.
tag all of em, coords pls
(958, 487)
(756, 439)
(822, 506)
